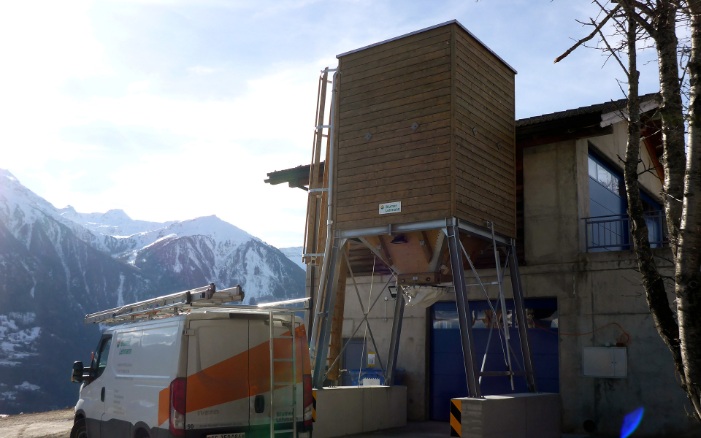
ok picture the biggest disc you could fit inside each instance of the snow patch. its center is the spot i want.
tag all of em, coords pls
(17, 340)
(26, 386)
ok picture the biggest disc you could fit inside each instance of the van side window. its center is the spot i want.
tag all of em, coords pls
(100, 360)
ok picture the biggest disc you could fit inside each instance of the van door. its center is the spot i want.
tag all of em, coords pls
(217, 399)
(93, 393)
(274, 380)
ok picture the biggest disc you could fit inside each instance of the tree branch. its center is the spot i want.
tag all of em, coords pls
(590, 36)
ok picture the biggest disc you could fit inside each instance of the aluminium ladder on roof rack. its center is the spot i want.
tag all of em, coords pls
(168, 305)
(283, 373)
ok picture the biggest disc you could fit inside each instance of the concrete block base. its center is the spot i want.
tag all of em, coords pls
(514, 415)
(347, 410)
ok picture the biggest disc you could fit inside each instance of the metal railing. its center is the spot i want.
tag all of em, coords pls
(612, 233)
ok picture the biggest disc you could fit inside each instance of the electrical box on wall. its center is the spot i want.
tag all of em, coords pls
(608, 362)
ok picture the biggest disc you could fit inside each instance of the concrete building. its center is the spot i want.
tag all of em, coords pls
(592, 337)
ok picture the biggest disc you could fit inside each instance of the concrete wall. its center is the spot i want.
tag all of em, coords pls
(600, 302)
(412, 357)
(514, 416)
(345, 411)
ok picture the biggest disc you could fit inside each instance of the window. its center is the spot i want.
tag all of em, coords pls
(99, 362)
(608, 227)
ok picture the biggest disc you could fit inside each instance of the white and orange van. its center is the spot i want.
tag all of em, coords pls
(196, 369)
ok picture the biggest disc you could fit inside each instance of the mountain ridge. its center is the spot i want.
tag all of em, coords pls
(56, 265)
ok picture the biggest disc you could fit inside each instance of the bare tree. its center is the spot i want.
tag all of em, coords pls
(679, 326)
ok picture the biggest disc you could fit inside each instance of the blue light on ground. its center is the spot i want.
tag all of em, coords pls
(631, 422)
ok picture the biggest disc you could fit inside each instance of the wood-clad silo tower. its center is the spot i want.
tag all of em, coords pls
(420, 169)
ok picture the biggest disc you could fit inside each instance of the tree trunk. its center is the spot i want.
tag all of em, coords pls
(653, 283)
(672, 112)
(688, 267)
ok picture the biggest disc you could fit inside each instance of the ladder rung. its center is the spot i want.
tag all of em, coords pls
(283, 383)
(283, 360)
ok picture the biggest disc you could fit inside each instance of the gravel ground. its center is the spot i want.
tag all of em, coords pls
(52, 424)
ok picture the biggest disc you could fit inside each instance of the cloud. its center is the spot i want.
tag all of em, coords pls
(172, 109)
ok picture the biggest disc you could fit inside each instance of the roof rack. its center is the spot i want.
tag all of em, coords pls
(168, 305)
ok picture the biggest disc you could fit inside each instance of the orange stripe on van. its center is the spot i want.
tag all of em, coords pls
(163, 405)
(224, 382)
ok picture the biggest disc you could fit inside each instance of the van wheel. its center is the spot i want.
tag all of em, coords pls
(79, 430)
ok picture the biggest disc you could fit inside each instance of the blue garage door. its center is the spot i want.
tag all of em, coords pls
(447, 373)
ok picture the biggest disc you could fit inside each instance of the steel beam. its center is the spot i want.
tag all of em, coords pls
(321, 349)
(464, 314)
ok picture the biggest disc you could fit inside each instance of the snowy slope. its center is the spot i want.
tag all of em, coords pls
(57, 265)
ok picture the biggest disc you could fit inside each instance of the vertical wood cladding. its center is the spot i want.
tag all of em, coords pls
(428, 120)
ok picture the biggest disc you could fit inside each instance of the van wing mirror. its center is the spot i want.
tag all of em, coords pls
(78, 369)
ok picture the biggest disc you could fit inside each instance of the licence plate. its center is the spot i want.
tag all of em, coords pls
(228, 435)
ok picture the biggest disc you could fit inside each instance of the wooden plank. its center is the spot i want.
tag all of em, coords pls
(411, 92)
(420, 94)
(502, 196)
(474, 103)
(378, 59)
(475, 128)
(384, 146)
(494, 197)
(352, 86)
(478, 212)
(361, 191)
(503, 187)
(412, 210)
(454, 124)
(486, 144)
(396, 69)
(361, 57)
(477, 109)
(486, 154)
(427, 106)
(499, 95)
(390, 130)
(417, 165)
(378, 85)
(408, 194)
(398, 152)
(472, 151)
(473, 51)
(490, 173)
(472, 71)
(393, 90)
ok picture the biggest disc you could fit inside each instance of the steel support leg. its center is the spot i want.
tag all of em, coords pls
(521, 318)
(323, 319)
(464, 314)
(394, 341)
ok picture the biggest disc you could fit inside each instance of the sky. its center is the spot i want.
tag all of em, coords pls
(176, 109)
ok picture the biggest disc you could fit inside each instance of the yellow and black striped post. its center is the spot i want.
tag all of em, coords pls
(455, 417)
(314, 405)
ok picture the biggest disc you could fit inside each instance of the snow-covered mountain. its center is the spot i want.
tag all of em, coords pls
(57, 265)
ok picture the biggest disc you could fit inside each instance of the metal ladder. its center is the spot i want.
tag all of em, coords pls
(283, 374)
(318, 238)
(168, 305)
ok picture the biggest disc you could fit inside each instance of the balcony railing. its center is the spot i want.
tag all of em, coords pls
(612, 233)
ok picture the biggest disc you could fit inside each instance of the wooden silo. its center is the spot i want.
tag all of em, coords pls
(421, 164)
(425, 128)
